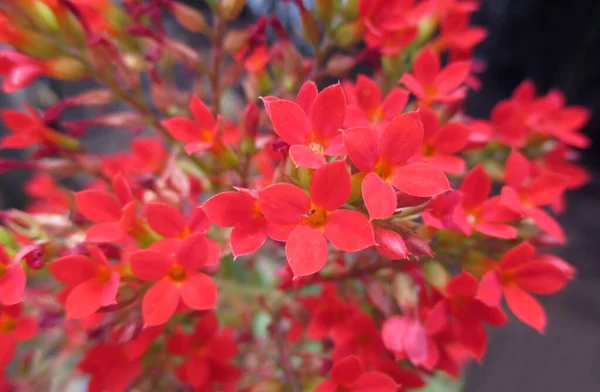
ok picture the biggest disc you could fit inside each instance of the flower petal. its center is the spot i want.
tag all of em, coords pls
(419, 179)
(497, 230)
(73, 269)
(202, 114)
(525, 307)
(12, 285)
(247, 237)
(547, 223)
(452, 76)
(541, 277)
(85, 299)
(451, 137)
(192, 251)
(283, 203)
(183, 129)
(476, 187)
(302, 156)
(517, 169)
(362, 146)
(402, 138)
(490, 290)
(368, 94)
(329, 112)
(160, 303)
(150, 265)
(346, 370)
(379, 196)
(331, 185)
(99, 207)
(165, 219)
(517, 256)
(306, 96)
(289, 120)
(108, 232)
(199, 292)
(349, 231)
(306, 250)
(394, 103)
(227, 209)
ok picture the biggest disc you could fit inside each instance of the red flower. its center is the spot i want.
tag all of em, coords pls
(12, 278)
(14, 328)
(113, 216)
(348, 374)
(51, 198)
(173, 264)
(519, 273)
(406, 337)
(525, 193)
(429, 83)
(463, 312)
(241, 211)
(470, 209)
(198, 134)
(91, 281)
(367, 106)
(167, 221)
(327, 311)
(19, 70)
(317, 218)
(208, 351)
(386, 160)
(441, 143)
(311, 126)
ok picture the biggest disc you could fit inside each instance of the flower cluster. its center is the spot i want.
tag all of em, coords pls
(278, 223)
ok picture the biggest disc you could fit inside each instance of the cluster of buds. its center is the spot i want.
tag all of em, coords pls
(281, 225)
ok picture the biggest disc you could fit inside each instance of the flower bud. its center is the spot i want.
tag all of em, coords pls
(230, 9)
(312, 33)
(325, 10)
(435, 274)
(35, 258)
(404, 290)
(351, 9)
(348, 34)
(251, 119)
(65, 68)
(339, 65)
(42, 15)
(188, 17)
(417, 246)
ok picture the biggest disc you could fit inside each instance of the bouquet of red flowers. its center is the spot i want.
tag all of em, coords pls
(280, 221)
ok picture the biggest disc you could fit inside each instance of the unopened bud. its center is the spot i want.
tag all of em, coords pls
(251, 119)
(435, 274)
(235, 40)
(66, 68)
(35, 258)
(324, 10)
(42, 15)
(339, 65)
(230, 9)
(351, 9)
(404, 290)
(348, 34)
(312, 33)
(188, 17)
(418, 246)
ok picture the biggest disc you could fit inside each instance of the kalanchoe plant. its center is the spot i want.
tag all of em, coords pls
(278, 223)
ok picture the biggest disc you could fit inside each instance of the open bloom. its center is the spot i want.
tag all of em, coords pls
(91, 282)
(317, 217)
(14, 328)
(518, 274)
(311, 125)
(12, 279)
(241, 211)
(348, 374)
(174, 265)
(430, 83)
(385, 161)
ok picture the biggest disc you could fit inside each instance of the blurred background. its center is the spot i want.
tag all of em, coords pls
(557, 45)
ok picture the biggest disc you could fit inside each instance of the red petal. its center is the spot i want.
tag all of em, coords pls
(183, 129)
(447, 163)
(463, 284)
(349, 231)
(329, 112)
(199, 292)
(99, 207)
(284, 203)
(490, 290)
(27, 328)
(417, 345)
(541, 277)
(105, 232)
(229, 208)
(518, 255)
(497, 230)
(430, 121)
(402, 138)
(368, 94)
(289, 120)
(306, 96)
(198, 221)
(375, 382)
(471, 334)
(362, 146)
(213, 252)
(194, 147)
(85, 299)
(346, 370)
(476, 187)
(325, 386)
(547, 223)
(150, 265)
(12, 285)
(510, 199)
(160, 303)
(191, 252)
(16, 141)
(413, 85)
(73, 269)
(165, 219)
(302, 156)
(202, 114)
(248, 237)
(390, 244)
(451, 138)
(419, 179)
(517, 169)
(393, 333)
(394, 103)
(331, 185)
(122, 189)
(426, 66)
(17, 121)
(379, 197)
(438, 318)
(7, 352)
(452, 76)
(525, 307)
(306, 250)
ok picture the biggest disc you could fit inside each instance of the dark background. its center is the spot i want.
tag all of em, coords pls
(556, 44)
